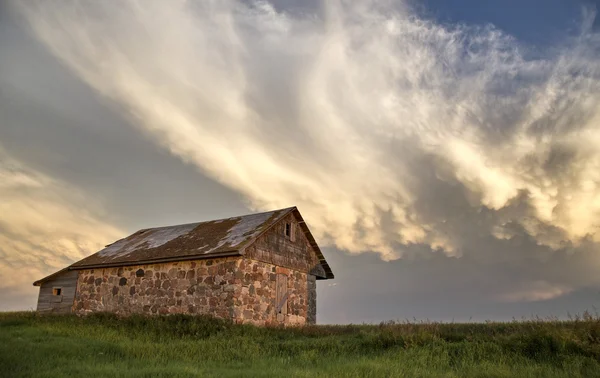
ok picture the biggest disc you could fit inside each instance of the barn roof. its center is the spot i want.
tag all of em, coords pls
(216, 238)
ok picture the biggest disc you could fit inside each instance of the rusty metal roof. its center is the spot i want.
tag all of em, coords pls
(210, 238)
(216, 238)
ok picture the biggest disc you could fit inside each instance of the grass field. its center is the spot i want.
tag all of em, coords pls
(179, 346)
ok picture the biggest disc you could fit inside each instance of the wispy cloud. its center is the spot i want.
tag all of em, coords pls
(536, 291)
(387, 130)
(44, 226)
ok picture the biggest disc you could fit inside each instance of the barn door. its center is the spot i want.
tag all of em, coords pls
(281, 297)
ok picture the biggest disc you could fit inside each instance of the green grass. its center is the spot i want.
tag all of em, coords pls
(104, 345)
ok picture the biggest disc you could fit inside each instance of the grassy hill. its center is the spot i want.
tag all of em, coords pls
(103, 345)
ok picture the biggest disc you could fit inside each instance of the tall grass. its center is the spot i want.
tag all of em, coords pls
(185, 346)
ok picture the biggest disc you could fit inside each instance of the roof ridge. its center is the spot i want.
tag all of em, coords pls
(214, 220)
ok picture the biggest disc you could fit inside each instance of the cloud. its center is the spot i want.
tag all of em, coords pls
(536, 291)
(392, 134)
(44, 226)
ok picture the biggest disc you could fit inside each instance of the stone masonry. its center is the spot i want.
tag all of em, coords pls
(240, 289)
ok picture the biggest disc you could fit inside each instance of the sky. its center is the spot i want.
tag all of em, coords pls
(444, 153)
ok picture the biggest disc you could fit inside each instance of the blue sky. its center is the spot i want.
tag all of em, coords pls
(542, 22)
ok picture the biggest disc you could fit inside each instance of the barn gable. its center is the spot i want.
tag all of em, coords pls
(289, 243)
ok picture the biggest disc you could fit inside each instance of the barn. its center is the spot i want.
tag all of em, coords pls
(258, 268)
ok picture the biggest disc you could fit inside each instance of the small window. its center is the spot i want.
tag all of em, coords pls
(57, 291)
(289, 231)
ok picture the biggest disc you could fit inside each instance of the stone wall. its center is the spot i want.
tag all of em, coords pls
(232, 288)
(311, 310)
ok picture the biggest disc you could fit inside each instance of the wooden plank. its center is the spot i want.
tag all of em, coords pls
(282, 302)
(281, 297)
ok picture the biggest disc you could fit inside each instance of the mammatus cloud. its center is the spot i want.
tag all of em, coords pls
(44, 226)
(388, 130)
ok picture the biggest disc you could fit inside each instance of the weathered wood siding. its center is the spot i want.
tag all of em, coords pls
(276, 248)
(62, 304)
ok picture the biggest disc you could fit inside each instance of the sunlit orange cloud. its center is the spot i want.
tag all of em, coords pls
(44, 226)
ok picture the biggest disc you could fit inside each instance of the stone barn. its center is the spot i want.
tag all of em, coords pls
(258, 268)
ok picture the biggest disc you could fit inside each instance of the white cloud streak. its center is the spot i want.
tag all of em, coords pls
(337, 114)
(536, 291)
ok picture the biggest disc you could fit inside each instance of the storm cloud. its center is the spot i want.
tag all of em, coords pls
(455, 146)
